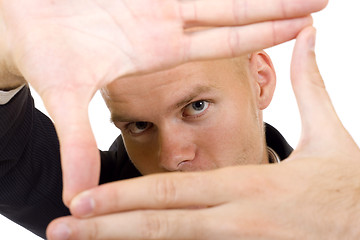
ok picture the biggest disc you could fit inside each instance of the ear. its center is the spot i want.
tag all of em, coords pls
(264, 78)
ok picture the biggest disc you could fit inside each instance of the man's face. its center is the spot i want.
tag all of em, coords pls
(197, 116)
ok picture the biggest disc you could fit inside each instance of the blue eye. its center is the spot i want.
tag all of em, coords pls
(138, 127)
(195, 108)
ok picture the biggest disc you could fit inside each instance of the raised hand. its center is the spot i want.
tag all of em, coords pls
(312, 195)
(69, 49)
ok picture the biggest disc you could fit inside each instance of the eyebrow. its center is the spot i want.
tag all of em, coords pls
(122, 118)
(198, 89)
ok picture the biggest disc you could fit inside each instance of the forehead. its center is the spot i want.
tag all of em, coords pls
(162, 88)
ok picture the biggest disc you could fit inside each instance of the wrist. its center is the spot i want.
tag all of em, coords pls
(10, 78)
(9, 81)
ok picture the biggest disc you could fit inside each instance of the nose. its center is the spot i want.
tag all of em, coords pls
(176, 148)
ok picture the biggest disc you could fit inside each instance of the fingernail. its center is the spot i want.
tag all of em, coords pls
(83, 205)
(61, 232)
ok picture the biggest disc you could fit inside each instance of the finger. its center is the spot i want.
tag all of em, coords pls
(320, 123)
(175, 190)
(235, 41)
(241, 12)
(150, 192)
(80, 158)
(245, 218)
(161, 224)
(66, 84)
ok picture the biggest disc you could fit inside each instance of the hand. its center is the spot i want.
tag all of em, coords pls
(69, 49)
(312, 195)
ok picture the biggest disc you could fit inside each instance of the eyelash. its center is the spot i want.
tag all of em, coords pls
(201, 113)
(128, 125)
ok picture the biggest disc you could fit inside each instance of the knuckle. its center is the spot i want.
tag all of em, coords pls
(233, 42)
(94, 230)
(165, 191)
(284, 9)
(155, 226)
(273, 33)
(240, 10)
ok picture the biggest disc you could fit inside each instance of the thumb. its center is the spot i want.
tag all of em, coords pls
(321, 127)
(80, 159)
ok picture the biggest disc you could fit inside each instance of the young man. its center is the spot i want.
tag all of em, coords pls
(197, 116)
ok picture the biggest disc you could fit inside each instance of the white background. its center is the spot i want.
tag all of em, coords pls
(338, 56)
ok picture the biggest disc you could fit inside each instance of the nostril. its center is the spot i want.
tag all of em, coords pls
(179, 166)
(175, 153)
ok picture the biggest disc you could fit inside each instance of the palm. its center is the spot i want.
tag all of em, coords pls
(98, 45)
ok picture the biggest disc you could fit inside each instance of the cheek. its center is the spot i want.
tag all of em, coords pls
(143, 156)
(233, 136)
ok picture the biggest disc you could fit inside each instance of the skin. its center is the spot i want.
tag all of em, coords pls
(312, 195)
(67, 50)
(164, 130)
